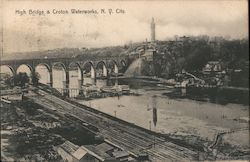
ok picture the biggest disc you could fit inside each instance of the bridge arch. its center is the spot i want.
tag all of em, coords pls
(101, 69)
(7, 69)
(25, 68)
(89, 69)
(45, 65)
(59, 64)
(76, 66)
(123, 66)
(59, 74)
(123, 63)
(71, 64)
(75, 78)
(44, 70)
(113, 67)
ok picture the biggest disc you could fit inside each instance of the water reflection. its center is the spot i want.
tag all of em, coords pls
(43, 74)
(172, 115)
(88, 80)
(59, 77)
(74, 83)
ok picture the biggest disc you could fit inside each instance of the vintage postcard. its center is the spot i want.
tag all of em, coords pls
(116, 81)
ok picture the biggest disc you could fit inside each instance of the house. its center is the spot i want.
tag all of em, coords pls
(213, 66)
(148, 54)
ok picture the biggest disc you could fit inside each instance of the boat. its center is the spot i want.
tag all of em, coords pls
(90, 88)
(125, 88)
(109, 89)
(116, 89)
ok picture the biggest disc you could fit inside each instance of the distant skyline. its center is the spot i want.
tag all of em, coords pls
(32, 33)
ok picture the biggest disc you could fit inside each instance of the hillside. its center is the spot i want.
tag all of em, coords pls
(66, 53)
(189, 53)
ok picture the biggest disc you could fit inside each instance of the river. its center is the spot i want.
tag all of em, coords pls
(174, 115)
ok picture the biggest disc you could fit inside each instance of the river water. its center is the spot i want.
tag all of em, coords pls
(174, 116)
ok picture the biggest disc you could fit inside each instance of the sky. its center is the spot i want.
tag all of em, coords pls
(49, 31)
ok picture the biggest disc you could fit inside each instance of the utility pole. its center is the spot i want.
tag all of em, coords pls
(154, 114)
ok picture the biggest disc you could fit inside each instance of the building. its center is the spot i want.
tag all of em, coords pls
(103, 152)
(213, 66)
(148, 55)
(73, 153)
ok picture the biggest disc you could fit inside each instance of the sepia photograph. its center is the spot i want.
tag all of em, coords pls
(124, 81)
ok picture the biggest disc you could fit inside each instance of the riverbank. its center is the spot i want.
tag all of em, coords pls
(30, 133)
(184, 121)
(195, 122)
(218, 95)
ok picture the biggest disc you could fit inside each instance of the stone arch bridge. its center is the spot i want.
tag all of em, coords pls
(109, 65)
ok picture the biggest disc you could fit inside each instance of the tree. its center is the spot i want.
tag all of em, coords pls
(24, 78)
(19, 79)
(35, 78)
(10, 81)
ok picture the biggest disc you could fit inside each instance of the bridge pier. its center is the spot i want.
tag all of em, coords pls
(116, 82)
(92, 72)
(66, 84)
(110, 65)
(80, 80)
(50, 78)
(80, 84)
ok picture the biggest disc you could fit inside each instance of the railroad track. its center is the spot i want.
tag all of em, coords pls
(130, 138)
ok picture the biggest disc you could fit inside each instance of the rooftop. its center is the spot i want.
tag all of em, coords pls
(79, 153)
(120, 154)
(101, 150)
(69, 147)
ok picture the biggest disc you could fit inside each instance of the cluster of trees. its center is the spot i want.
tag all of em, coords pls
(192, 54)
(22, 79)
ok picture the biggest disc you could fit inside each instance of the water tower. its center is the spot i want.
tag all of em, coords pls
(152, 30)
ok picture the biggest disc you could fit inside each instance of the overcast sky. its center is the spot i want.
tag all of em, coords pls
(29, 33)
